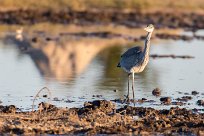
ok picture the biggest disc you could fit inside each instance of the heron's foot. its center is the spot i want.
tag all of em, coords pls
(134, 102)
(127, 99)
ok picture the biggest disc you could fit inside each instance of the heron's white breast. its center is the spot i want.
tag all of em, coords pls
(139, 68)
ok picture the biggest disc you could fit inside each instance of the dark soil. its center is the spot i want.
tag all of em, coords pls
(100, 117)
(191, 21)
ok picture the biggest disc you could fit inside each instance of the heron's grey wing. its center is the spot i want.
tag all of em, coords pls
(132, 51)
(131, 57)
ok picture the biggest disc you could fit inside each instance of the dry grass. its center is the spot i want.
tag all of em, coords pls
(126, 5)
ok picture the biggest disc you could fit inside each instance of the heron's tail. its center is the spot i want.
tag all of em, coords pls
(119, 65)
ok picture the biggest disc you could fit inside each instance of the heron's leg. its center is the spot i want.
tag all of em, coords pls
(128, 86)
(133, 93)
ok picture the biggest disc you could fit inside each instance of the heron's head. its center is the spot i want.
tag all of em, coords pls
(149, 28)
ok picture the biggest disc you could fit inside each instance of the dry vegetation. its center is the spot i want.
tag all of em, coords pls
(126, 5)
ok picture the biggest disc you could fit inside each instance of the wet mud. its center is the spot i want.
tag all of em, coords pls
(192, 21)
(101, 117)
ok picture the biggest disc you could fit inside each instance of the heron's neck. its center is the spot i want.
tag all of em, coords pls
(147, 43)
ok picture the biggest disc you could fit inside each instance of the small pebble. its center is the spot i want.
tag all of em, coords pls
(184, 98)
(156, 92)
(179, 92)
(194, 92)
(69, 101)
(195, 110)
(115, 90)
(98, 96)
(165, 100)
(178, 103)
(45, 96)
(200, 102)
(48, 39)
(34, 39)
(144, 99)
(56, 99)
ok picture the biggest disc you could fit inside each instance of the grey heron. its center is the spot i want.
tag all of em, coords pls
(135, 59)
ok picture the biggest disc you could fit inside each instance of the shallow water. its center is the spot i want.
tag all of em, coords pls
(22, 76)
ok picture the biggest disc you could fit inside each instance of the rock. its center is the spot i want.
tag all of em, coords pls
(115, 90)
(48, 39)
(45, 95)
(156, 92)
(46, 106)
(8, 109)
(178, 103)
(68, 101)
(144, 99)
(194, 92)
(200, 102)
(184, 98)
(102, 105)
(86, 104)
(56, 99)
(165, 100)
(34, 39)
(195, 110)
(201, 133)
(97, 95)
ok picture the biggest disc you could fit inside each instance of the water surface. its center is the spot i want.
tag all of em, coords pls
(92, 71)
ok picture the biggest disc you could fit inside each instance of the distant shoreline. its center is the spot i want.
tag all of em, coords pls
(136, 19)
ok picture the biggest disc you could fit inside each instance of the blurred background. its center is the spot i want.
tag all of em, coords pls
(73, 47)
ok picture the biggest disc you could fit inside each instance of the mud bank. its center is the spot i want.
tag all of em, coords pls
(131, 19)
(100, 117)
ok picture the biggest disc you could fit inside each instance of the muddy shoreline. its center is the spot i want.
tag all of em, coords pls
(101, 117)
(192, 21)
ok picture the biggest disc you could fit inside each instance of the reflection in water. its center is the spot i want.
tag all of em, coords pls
(19, 34)
(59, 60)
(66, 60)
